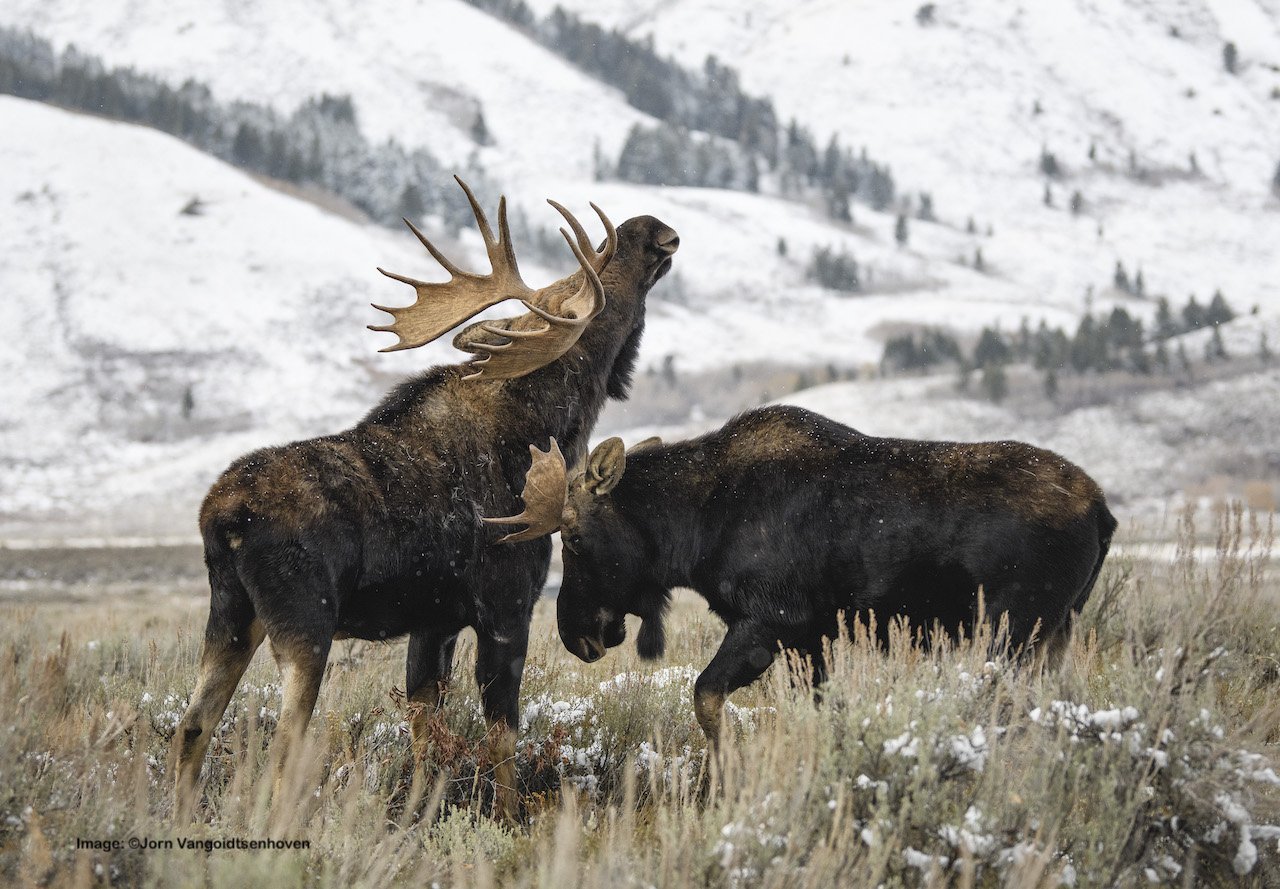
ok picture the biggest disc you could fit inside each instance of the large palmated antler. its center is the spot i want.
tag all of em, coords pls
(441, 307)
(544, 496)
(517, 352)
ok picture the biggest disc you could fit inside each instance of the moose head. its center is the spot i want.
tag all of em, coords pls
(605, 554)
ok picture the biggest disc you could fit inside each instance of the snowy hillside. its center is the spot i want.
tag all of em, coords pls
(155, 345)
(953, 105)
(144, 347)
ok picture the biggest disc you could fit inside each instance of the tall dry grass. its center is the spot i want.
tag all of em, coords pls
(1149, 757)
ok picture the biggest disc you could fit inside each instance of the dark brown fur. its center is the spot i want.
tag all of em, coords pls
(785, 520)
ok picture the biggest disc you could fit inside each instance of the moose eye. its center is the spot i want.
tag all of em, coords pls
(572, 542)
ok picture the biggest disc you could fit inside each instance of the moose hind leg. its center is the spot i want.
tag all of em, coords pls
(226, 654)
(302, 663)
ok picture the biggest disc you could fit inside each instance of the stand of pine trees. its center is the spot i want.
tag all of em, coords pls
(319, 143)
(1113, 342)
(749, 138)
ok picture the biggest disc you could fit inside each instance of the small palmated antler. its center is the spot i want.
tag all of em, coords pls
(516, 351)
(544, 496)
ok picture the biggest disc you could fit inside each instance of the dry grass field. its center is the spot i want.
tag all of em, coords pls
(1150, 757)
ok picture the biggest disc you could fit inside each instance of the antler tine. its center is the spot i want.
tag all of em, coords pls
(611, 234)
(544, 496)
(592, 282)
(583, 241)
(481, 220)
(598, 260)
(540, 347)
(502, 257)
(504, 236)
(439, 257)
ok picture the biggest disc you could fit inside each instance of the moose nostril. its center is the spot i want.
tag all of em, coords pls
(667, 241)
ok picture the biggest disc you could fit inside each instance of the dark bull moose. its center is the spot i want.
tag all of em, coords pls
(375, 532)
(783, 520)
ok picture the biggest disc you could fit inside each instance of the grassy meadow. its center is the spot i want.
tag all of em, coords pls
(1152, 756)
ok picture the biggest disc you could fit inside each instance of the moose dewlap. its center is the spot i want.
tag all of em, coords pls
(784, 520)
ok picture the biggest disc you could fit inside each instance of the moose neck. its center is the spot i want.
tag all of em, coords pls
(569, 393)
(664, 493)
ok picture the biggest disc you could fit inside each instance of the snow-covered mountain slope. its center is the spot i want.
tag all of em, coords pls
(258, 305)
(142, 347)
(962, 108)
(418, 72)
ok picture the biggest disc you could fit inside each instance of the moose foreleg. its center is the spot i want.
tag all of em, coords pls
(499, 667)
(427, 667)
(744, 655)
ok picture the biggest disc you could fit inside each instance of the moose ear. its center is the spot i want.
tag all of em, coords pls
(605, 466)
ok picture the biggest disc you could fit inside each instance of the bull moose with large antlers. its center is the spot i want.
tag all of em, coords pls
(375, 532)
(784, 520)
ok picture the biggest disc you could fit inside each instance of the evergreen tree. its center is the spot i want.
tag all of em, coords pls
(1275, 181)
(1215, 349)
(247, 147)
(1166, 327)
(1162, 356)
(1120, 278)
(925, 213)
(1077, 202)
(1051, 383)
(991, 348)
(1139, 284)
(1184, 360)
(972, 227)
(838, 204)
(1049, 164)
(900, 233)
(1193, 314)
(834, 270)
(979, 264)
(1022, 343)
(1093, 152)
(1083, 353)
(881, 188)
(782, 246)
(1139, 360)
(1218, 312)
(411, 205)
(1230, 57)
(1048, 195)
(995, 384)
(1264, 350)
(480, 130)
